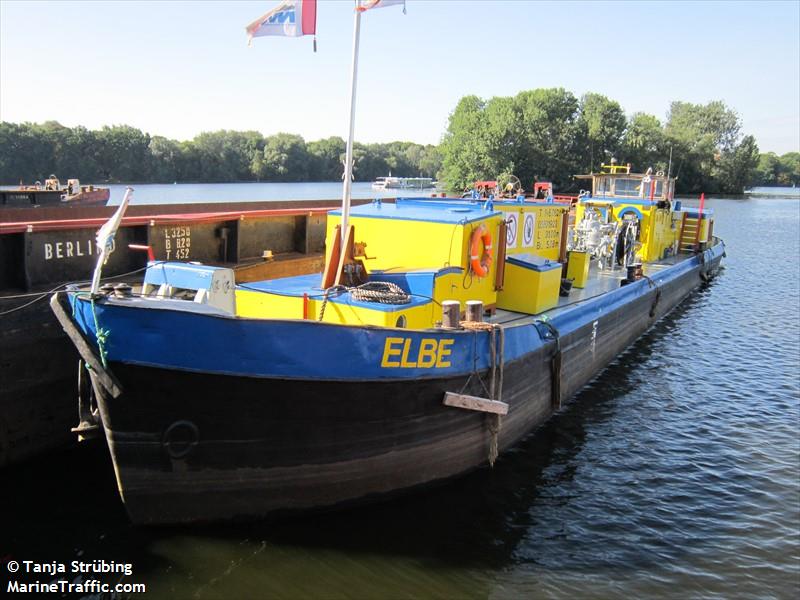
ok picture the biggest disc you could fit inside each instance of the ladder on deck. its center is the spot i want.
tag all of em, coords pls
(689, 233)
(691, 228)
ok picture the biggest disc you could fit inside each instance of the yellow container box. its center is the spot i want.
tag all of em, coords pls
(531, 284)
(416, 234)
(578, 268)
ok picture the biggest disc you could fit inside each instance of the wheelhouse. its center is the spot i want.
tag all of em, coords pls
(617, 181)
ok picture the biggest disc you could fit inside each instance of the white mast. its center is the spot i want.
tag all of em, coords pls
(348, 161)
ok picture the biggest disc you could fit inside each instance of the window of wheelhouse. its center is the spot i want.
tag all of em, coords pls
(654, 189)
(626, 186)
(603, 186)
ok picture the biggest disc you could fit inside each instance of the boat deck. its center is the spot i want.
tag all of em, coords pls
(600, 281)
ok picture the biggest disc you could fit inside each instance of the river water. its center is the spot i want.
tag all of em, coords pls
(158, 193)
(674, 474)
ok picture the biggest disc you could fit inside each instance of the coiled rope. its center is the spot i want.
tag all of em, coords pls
(383, 292)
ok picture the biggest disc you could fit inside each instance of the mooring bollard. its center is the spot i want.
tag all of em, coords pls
(451, 313)
(474, 311)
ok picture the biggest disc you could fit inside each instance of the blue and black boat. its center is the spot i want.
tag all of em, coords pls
(440, 334)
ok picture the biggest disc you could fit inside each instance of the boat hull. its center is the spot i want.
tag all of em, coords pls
(95, 196)
(290, 445)
(191, 446)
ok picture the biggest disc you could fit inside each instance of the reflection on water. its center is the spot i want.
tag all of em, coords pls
(673, 474)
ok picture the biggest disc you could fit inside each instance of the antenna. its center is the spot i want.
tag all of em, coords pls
(669, 168)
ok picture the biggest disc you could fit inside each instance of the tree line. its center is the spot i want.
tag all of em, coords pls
(31, 151)
(551, 134)
(547, 134)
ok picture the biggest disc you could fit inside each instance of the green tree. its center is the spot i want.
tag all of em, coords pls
(326, 159)
(165, 157)
(75, 154)
(768, 169)
(429, 161)
(370, 161)
(644, 145)
(534, 134)
(550, 145)
(604, 122)
(285, 158)
(737, 166)
(123, 153)
(464, 150)
(700, 135)
(26, 153)
(227, 155)
(789, 169)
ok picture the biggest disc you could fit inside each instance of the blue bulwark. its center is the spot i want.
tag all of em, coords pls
(417, 283)
(694, 211)
(288, 286)
(347, 298)
(180, 275)
(533, 262)
(431, 212)
(421, 282)
(616, 200)
(522, 201)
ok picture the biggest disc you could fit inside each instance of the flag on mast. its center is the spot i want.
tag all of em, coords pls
(291, 18)
(368, 4)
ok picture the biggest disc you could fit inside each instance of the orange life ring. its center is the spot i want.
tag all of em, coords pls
(480, 262)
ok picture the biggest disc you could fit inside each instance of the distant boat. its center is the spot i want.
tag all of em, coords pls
(403, 183)
(52, 193)
(774, 192)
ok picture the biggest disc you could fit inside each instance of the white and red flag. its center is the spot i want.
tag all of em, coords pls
(291, 18)
(368, 4)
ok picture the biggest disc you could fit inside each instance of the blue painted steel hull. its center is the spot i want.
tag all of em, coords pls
(222, 417)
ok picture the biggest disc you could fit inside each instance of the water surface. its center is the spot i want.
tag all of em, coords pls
(158, 193)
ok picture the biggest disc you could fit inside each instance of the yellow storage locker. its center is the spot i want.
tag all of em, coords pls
(531, 285)
(578, 268)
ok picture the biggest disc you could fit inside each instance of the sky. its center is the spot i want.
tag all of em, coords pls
(179, 68)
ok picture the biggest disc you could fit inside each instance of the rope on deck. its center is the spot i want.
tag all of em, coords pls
(497, 338)
(382, 292)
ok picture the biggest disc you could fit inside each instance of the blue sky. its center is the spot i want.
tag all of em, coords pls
(179, 68)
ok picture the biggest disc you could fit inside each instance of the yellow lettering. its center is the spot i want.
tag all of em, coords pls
(431, 353)
(404, 361)
(389, 352)
(427, 353)
(444, 352)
